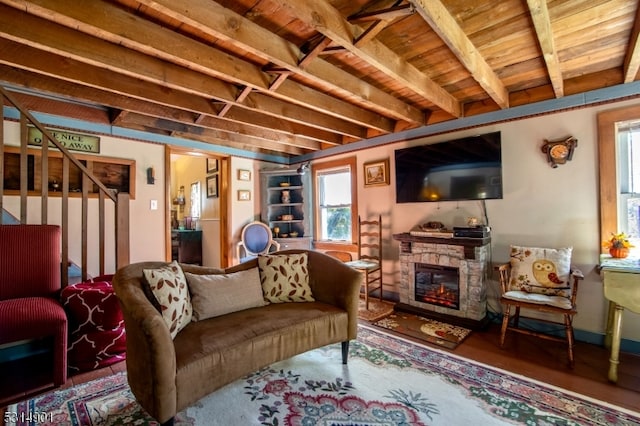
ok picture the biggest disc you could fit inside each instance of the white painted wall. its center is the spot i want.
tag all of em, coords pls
(242, 212)
(541, 206)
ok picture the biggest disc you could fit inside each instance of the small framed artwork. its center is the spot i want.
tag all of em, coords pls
(244, 174)
(212, 165)
(376, 173)
(244, 195)
(212, 186)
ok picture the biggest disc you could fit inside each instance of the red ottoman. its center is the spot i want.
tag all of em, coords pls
(97, 337)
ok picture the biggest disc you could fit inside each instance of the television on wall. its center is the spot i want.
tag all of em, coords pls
(468, 168)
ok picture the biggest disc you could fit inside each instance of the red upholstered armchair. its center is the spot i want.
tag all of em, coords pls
(30, 289)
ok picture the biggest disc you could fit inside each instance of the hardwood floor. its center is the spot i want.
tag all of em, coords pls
(529, 356)
(546, 361)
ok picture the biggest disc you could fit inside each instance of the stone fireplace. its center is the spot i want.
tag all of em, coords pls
(444, 277)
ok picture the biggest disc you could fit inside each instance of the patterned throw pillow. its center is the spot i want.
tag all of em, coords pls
(285, 278)
(540, 270)
(219, 294)
(169, 286)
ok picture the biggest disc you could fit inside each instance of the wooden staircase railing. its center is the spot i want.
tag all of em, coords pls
(120, 200)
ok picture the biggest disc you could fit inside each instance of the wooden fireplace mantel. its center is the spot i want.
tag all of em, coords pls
(469, 244)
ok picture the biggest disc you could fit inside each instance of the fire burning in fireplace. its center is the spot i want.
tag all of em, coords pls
(437, 285)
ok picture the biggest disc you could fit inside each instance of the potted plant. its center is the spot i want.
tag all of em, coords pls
(618, 245)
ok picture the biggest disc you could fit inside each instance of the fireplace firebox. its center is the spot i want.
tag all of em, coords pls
(437, 285)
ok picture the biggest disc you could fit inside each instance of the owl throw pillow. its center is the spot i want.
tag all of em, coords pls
(540, 270)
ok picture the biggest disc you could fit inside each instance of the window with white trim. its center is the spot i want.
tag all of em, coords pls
(628, 168)
(334, 210)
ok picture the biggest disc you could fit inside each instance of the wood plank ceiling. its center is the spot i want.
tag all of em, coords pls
(290, 77)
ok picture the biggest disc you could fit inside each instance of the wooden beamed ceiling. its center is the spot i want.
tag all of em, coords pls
(290, 77)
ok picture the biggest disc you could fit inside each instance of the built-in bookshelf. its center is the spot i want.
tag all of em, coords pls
(286, 207)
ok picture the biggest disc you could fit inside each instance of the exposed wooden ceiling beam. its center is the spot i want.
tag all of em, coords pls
(193, 106)
(209, 135)
(379, 20)
(217, 21)
(445, 25)
(324, 18)
(542, 22)
(632, 57)
(387, 14)
(136, 35)
(47, 36)
(239, 99)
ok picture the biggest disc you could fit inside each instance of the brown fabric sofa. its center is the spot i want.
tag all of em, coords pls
(168, 375)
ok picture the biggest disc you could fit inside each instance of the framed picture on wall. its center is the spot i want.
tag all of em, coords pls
(212, 165)
(212, 186)
(376, 173)
(244, 175)
(244, 195)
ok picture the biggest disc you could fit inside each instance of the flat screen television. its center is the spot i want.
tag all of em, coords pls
(468, 168)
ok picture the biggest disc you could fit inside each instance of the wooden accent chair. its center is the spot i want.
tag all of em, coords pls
(369, 256)
(30, 287)
(520, 290)
(344, 256)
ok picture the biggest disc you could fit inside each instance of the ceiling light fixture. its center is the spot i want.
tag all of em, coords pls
(303, 168)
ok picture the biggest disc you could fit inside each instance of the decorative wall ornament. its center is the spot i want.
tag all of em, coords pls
(559, 151)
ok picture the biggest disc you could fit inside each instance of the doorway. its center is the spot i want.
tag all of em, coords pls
(196, 197)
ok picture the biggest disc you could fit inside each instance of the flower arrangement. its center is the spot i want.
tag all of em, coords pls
(619, 240)
(618, 245)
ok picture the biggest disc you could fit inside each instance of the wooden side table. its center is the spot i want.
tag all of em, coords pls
(621, 279)
(186, 246)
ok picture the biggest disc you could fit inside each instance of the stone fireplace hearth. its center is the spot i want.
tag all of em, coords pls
(470, 256)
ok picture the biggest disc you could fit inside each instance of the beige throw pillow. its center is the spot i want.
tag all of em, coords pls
(285, 278)
(540, 270)
(219, 294)
(169, 287)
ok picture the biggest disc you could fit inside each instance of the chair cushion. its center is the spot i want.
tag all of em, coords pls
(285, 278)
(541, 270)
(30, 318)
(539, 299)
(219, 294)
(169, 287)
(363, 264)
(256, 238)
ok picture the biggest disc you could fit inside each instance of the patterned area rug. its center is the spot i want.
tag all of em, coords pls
(377, 309)
(388, 381)
(429, 330)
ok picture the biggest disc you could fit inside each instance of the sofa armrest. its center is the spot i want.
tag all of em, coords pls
(151, 358)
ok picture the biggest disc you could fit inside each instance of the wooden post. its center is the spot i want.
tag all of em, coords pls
(122, 230)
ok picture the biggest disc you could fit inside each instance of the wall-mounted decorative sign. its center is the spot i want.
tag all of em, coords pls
(376, 173)
(71, 141)
(559, 151)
